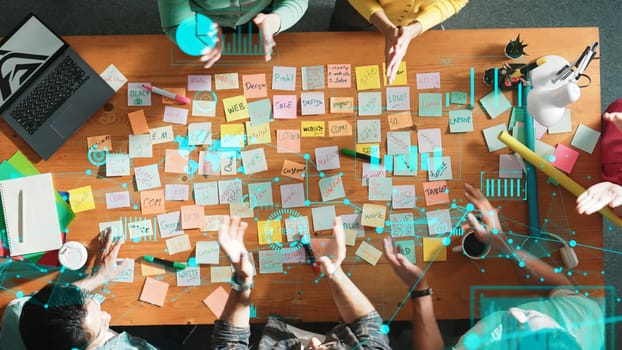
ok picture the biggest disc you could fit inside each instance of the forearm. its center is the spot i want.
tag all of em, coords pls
(290, 11)
(89, 283)
(380, 20)
(426, 334)
(173, 12)
(439, 12)
(351, 302)
(540, 269)
(366, 7)
(237, 309)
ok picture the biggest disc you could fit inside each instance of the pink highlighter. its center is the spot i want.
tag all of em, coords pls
(169, 94)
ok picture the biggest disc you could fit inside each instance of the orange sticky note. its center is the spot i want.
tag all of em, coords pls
(293, 170)
(342, 105)
(434, 250)
(288, 141)
(170, 101)
(435, 192)
(269, 232)
(154, 292)
(192, 216)
(400, 120)
(150, 269)
(216, 301)
(339, 128)
(152, 202)
(176, 161)
(138, 122)
(102, 142)
(255, 85)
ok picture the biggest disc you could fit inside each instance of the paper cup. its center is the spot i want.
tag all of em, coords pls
(472, 247)
(72, 255)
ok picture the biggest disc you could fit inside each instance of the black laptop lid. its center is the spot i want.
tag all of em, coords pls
(24, 54)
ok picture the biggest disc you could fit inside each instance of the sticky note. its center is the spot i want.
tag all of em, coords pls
(137, 95)
(203, 108)
(401, 76)
(207, 252)
(369, 253)
(201, 82)
(342, 105)
(400, 120)
(260, 111)
(178, 244)
(297, 256)
(491, 134)
(236, 108)
(398, 142)
(81, 199)
(323, 217)
(99, 143)
(270, 261)
(229, 191)
(327, 158)
(510, 166)
(312, 77)
(113, 76)
(460, 121)
(379, 188)
(296, 227)
(312, 128)
(254, 85)
(176, 192)
(339, 76)
(370, 171)
(458, 98)
(294, 170)
(176, 91)
(435, 192)
(353, 228)
(428, 80)
(200, 133)
(292, 196)
(269, 231)
(367, 77)
(127, 275)
(585, 138)
(284, 78)
(140, 146)
(241, 209)
(373, 215)
(398, 98)
(406, 164)
(258, 134)
(260, 193)
(339, 128)
(189, 277)
(150, 269)
(228, 163)
(564, 125)
(212, 222)
(430, 104)
(368, 131)
(170, 224)
(407, 249)
(439, 221)
(116, 200)
(232, 135)
(216, 301)
(176, 161)
(370, 103)
(175, 115)
(331, 188)
(402, 224)
(434, 250)
(495, 104)
(312, 103)
(288, 141)
(117, 164)
(116, 229)
(154, 291)
(565, 158)
(140, 229)
(285, 106)
(152, 202)
(227, 81)
(254, 161)
(162, 135)
(209, 163)
(192, 216)
(220, 274)
(429, 140)
(206, 193)
(403, 197)
(440, 169)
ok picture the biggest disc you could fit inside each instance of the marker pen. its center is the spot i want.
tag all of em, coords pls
(361, 156)
(169, 94)
(172, 264)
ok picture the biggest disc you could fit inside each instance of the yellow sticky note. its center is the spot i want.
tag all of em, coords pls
(430, 248)
(269, 232)
(367, 77)
(150, 269)
(312, 128)
(232, 135)
(339, 128)
(368, 253)
(373, 215)
(342, 105)
(258, 134)
(178, 244)
(81, 199)
(235, 108)
(400, 120)
(350, 237)
(368, 148)
(400, 77)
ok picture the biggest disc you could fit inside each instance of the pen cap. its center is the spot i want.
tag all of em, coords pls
(72, 255)
(196, 33)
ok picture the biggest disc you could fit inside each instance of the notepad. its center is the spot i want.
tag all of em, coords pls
(34, 215)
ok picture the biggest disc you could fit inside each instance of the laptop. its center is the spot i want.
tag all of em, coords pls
(47, 91)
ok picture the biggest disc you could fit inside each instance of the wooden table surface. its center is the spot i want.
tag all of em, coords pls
(298, 294)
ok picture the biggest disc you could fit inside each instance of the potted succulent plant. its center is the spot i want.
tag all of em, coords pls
(514, 49)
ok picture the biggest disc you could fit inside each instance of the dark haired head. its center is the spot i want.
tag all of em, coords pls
(54, 319)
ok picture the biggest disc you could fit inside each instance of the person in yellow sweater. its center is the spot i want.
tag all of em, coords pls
(399, 20)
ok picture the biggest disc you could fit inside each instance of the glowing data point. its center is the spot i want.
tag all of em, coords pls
(19, 294)
(470, 207)
(307, 203)
(346, 201)
(276, 179)
(306, 156)
(385, 329)
(124, 185)
(322, 174)
(472, 341)
(88, 172)
(379, 230)
(192, 262)
(572, 243)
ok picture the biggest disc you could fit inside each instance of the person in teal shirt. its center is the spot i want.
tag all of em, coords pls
(233, 13)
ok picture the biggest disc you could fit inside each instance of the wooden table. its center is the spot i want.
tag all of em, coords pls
(297, 294)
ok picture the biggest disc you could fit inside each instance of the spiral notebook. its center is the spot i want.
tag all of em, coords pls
(30, 213)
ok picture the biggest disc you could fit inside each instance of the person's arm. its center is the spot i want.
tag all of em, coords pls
(173, 12)
(598, 196)
(290, 12)
(285, 14)
(426, 334)
(438, 12)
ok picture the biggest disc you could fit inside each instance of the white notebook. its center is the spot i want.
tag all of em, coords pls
(31, 212)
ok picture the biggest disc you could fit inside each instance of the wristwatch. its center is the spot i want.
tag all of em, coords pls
(421, 293)
(240, 287)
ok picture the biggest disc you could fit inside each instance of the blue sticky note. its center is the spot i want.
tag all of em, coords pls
(402, 225)
(491, 136)
(260, 194)
(370, 103)
(495, 104)
(312, 77)
(323, 218)
(430, 104)
(459, 98)
(380, 189)
(460, 121)
(331, 188)
(517, 116)
(260, 111)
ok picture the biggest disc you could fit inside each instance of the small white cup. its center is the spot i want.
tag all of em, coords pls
(72, 255)
(472, 247)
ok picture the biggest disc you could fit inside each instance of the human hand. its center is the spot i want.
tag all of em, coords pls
(231, 239)
(491, 232)
(335, 249)
(615, 117)
(106, 267)
(407, 271)
(396, 46)
(211, 55)
(598, 196)
(269, 25)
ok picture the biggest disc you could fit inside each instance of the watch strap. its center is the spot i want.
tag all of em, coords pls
(421, 293)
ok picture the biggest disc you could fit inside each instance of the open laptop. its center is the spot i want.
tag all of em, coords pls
(47, 91)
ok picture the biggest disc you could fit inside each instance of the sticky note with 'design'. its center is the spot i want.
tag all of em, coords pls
(434, 250)
(81, 199)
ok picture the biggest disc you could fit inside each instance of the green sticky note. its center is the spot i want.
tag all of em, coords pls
(518, 115)
(407, 249)
(460, 120)
(430, 104)
(585, 138)
(495, 104)
(459, 98)
(519, 133)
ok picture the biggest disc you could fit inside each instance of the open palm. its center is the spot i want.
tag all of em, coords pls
(231, 239)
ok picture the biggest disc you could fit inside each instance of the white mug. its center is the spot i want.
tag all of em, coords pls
(72, 255)
(472, 247)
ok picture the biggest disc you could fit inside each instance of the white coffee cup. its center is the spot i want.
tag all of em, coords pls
(72, 255)
(472, 247)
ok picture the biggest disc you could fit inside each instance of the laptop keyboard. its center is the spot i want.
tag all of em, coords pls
(51, 93)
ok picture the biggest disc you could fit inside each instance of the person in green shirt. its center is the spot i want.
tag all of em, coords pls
(228, 13)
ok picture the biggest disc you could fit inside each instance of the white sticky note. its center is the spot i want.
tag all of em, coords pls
(189, 277)
(140, 146)
(176, 192)
(219, 274)
(170, 224)
(162, 135)
(585, 138)
(117, 164)
(116, 229)
(137, 95)
(491, 134)
(200, 133)
(428, 81)
(127, 275)
(429, 140)
(201, 82)
(147, 177)
(398, 142)
(205, 193)
(113, 76)
(117, 200)
(327, 158)
(178, 244)
(564, 125)
(439, 221)
(254, 161)
(175, 115)
(403, 197)
(140, 229)
(398, 98)
(230, 191)
(510, 166)
(370, 103)
(270, 261)
(439, 169)
(203, 108)
(208, 252)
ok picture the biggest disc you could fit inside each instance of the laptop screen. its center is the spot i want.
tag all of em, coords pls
(23, 55)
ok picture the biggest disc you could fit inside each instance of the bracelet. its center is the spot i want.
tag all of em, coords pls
(421, 293)
(240, 287)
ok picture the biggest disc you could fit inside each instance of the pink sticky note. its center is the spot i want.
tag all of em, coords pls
(435, 192)
(176, 161)
(255, 85)
(339, 76)
(288, 141)
(285, 106)
(175, 115)
(154, 292)
(565, 158)
(192, 216)
(428, 80)
(216, 301)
